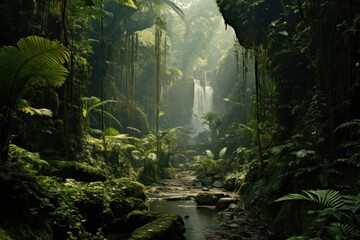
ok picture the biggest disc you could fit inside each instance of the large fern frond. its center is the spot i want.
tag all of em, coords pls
(353, 125)
(343, 231)
(35, 61)
(327, 198)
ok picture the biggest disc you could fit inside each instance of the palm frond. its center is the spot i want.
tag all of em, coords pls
(327, 198)
(35, 60)
(109, 115)
(99, 104)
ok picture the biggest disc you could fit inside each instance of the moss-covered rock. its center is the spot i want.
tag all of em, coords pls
(165, 227)
(127, 187)
(76, 170)
(207, 198)
(122, 206)
(137, 219)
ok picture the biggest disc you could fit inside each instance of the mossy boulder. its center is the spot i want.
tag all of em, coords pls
(123, 206)
(137, 219)
(78, 171)
(165, 227)
(127, 187)
(207, 198)
(127, 196)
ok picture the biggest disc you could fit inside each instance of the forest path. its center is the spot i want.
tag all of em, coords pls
(234, 223)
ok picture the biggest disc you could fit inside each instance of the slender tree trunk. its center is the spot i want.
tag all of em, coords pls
(257, 86)
(103, 77)
(158, 85)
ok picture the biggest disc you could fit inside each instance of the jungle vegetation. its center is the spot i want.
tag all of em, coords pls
(96, 97)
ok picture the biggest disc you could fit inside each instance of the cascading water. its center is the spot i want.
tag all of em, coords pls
(203, 103)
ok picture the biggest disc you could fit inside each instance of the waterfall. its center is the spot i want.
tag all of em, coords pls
(203, 103)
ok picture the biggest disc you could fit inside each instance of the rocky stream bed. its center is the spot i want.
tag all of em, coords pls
(232, 222)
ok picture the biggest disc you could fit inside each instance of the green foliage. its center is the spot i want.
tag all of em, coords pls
(24, 106)
(337, 219)
(351, 146)
(23, 203)
(35, 62)
(79, 171)
(92, 105)
(328, 198)
(80, 204)
(4, 235)
(30, 160)
(207, 166)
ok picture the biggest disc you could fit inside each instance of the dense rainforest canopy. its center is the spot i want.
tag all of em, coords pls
(101, 97)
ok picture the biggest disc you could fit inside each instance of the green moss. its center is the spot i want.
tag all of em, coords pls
(127, 187)
(165, 227)
(77, 170)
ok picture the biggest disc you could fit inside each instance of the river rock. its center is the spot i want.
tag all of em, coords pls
(218, 184)
(205, 189)
(224, 203)
(208, 198)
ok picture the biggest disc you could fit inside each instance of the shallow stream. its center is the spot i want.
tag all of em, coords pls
(199, 221)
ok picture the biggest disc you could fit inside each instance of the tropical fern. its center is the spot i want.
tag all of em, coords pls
(328, 198)
(352, 144)
(353, 125)
(340, 215)
(343, 231)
